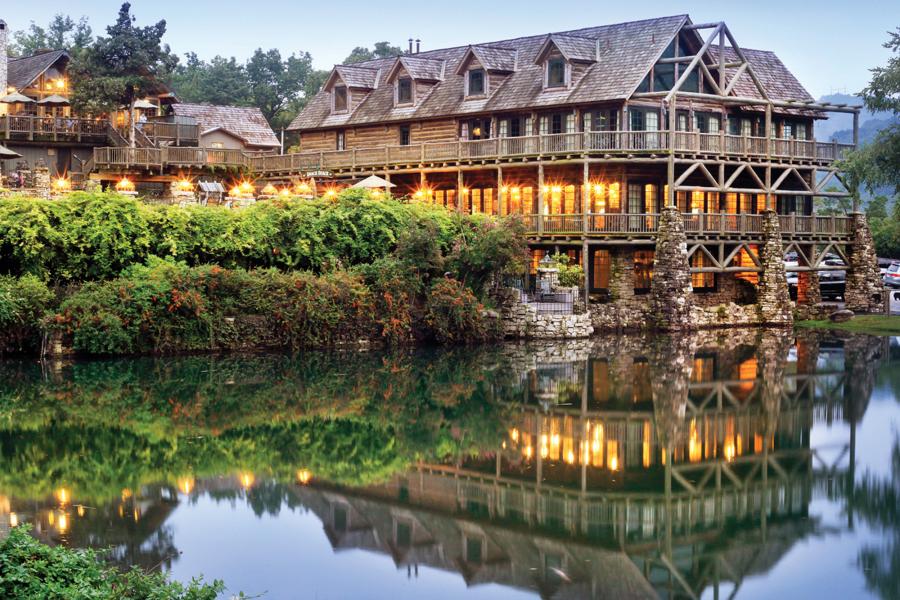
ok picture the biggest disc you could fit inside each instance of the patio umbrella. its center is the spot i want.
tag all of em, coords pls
(144, 105)
(7, 154)
(373, 182)
(54, 100)
(15, 98)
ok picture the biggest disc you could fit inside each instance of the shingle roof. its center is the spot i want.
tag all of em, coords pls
(627, 51)
(357, 76)
(22, 71)
(423, 68)
(619, 57)
(779, 82)
(574, 47)
(495, 58)
(245, 122)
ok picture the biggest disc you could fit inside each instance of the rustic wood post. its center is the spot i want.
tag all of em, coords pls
(460, 185)
(540, 198)
(498, 197)
(585, 197)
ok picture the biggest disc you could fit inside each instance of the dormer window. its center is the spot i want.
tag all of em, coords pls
(340, 98)
(477, 85)
(404, 90)
(556, 72)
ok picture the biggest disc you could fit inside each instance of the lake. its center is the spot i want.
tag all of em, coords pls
(736, 463)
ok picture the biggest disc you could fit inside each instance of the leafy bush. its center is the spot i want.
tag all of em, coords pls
(454, 314)
(30, 569)
(22, 303)
(486, 249)
(569, 275)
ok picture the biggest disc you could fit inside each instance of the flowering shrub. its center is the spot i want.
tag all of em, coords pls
(454, 314)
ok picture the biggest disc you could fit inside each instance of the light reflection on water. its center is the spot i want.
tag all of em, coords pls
(752, 463)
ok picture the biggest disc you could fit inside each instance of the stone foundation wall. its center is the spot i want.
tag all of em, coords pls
(729, 289)
(523, 321)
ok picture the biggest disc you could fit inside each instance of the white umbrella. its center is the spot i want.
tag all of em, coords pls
(144, 105)
(54, 100)
(373, 182)
(15, 98)
(7, 154)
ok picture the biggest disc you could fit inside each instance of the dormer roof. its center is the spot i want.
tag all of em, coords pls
(491, 58)
(419, 68)
(573, 48)
(353, 76)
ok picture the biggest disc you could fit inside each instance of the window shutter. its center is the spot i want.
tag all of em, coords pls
(570, 123)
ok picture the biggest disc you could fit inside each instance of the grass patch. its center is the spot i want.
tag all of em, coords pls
(873, 324)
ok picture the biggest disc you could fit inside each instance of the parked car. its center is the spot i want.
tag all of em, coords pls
(832, 283)
(891, 277)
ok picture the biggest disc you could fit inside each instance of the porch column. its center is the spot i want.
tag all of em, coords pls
(540, 198)
(585, 198)
(497, 202)
(460, 184)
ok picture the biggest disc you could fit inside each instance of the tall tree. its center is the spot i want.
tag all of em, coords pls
(380, 50)
(878, 163)
(221, 81)
(275, 83)
(62, 33)
(129, 64)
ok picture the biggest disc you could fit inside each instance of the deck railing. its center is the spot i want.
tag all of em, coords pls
(695, 224)
(65, 128)
(566, 144)
(178, 133)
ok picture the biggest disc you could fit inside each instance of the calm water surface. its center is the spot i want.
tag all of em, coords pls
(751, 464)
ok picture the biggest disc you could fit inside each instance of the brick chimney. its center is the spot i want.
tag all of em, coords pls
(4, 35)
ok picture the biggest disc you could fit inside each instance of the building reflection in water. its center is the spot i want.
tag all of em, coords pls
(630, 467)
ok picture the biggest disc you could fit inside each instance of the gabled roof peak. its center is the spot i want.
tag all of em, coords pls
(492, 58)
(573, 47)
(353, 76)
(421, 68)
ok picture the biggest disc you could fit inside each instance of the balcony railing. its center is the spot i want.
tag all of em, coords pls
(176, 156)
(55, 128)
(177, 133)
(695, 224)
(561, 144)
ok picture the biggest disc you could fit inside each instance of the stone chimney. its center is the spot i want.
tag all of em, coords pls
(4, 35)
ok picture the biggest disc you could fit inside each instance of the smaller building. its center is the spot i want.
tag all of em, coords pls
(230, 127)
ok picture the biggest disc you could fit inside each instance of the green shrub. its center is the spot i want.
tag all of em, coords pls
(30, 569)
(487, 249)
(569, 275)
(23, 302)
(454, 315)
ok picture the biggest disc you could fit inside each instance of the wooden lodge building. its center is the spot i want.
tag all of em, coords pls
(588, 134)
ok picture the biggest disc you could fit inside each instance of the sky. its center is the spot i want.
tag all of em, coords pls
(829, 45)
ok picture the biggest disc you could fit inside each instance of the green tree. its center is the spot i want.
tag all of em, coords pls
(277, 85)
(222, 81)
(129, 64)
(62, 33)
(380, 50)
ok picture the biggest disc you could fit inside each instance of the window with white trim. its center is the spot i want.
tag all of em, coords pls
(340, 98)
(477, 83)
(404, 90)
(556, 72)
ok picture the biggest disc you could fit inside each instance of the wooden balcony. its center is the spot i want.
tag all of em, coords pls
(159, 158)
(696, 225)
(179, 134)
(595, 143)
(64, 129)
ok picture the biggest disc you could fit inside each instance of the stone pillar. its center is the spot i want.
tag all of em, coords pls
(808, 291)
(864, 291)
(621, 275)
(671, 361)
(41, 176)
(773, 299)
(671, 294)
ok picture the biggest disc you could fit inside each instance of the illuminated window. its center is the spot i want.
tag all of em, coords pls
(643, 270)
(702, 281)
(217, 145)
(600, 269)
(704, 369)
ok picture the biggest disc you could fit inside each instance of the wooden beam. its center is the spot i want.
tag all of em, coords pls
(693, 64)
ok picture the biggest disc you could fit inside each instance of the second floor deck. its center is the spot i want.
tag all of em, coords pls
(550, 147)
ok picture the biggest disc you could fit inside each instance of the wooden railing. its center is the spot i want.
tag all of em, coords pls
(562, 144)
(177, 133)
(176, 156)
(56, 128)
(695, 224)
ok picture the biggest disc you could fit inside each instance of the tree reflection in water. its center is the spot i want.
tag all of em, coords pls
(665, 465)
